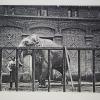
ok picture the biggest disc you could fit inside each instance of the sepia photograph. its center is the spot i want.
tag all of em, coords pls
(50, 48)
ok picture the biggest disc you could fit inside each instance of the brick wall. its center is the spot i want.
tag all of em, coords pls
(52, 11)
(74, 33)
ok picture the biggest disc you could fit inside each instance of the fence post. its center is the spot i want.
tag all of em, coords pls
(49, 70)
(64, 70)
(79, 73)
(93, 53)
(17, 64)
(33, 70)
(0, 69)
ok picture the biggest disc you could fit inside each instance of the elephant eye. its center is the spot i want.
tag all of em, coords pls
(26, 42)
(34, 40)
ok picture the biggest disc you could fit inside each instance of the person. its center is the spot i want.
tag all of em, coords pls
(12, 69)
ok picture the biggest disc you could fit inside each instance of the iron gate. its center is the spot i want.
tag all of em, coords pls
(49, 64)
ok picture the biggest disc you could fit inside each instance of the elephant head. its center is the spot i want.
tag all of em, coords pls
(32, 40)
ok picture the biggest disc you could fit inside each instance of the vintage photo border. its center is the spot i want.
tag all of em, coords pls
(49, 96)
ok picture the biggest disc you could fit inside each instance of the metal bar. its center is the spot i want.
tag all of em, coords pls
(17, 65)
(64, 71)
(31, 48)
(33, 70)
(79, 73)
(0, 69)
(93, 53)
(49, 70)
(49, 48)
(9, 48)
(87, 48)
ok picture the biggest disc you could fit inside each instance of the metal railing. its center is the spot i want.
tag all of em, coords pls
(93, 64)
(49, 64)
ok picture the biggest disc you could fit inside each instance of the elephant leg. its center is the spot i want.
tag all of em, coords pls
(43, 74)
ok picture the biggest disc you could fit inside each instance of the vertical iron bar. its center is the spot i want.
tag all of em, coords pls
(79, 73)
(17, 64)
(33, 70)
(0, 69)
(64, 70)
(93, 53)
(49, 70)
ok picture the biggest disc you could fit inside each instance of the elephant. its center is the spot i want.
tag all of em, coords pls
(41, 56)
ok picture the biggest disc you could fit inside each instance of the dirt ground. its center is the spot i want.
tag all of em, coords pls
(54, 87)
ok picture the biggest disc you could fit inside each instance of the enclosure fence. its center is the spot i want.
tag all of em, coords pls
(49, 64)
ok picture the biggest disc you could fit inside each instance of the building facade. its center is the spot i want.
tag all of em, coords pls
(71, 26)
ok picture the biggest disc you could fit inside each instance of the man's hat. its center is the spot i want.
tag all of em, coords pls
(13, 58)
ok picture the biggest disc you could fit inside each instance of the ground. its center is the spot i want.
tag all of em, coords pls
(54, 87)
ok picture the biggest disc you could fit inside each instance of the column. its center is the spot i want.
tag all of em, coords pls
(88, 63)
(58, 36)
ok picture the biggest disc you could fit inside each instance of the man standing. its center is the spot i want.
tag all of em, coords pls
(12, 69)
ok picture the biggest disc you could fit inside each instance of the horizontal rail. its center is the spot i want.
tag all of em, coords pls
(34, 48)
(49, 48)
(83, 48)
